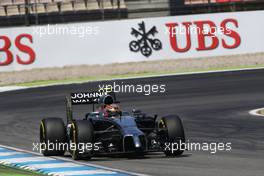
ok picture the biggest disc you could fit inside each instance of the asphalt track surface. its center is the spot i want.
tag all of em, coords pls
(213, 107)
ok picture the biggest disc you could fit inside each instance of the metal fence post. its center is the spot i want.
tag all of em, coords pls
(26, 13)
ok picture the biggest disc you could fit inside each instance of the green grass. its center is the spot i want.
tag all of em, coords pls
(8, 171)
(122, 76)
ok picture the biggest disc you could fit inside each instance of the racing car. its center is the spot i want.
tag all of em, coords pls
(109, 130)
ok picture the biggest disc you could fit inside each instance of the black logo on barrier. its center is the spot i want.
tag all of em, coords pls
(145, 42)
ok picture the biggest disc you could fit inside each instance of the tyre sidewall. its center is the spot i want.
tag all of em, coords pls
(52, 135)
(81, 134)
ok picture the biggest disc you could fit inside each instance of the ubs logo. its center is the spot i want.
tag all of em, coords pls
(145, 41)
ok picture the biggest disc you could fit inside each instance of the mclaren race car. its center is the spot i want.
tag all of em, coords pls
(109, 130)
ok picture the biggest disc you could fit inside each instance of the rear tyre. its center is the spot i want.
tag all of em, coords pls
(173, 135)
(52, 135)
(81, 135)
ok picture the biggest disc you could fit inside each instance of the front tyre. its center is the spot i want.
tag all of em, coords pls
(52, 136)
(81, 135)
(172, 134)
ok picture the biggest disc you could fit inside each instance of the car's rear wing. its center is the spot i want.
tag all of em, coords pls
(86, 97)
(82, 98)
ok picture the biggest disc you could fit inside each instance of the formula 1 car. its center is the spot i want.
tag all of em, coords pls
(104, 132)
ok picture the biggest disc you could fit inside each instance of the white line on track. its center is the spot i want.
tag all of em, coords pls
(255, 112)
(9, 153)
(25, 159)
(10, 88)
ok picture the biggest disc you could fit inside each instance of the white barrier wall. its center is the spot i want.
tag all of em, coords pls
(131, 40)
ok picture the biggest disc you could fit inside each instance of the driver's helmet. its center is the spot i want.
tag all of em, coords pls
(111, 110)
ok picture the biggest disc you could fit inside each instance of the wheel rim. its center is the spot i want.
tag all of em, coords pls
(73, 138)
(162, 124)
(42, 132)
